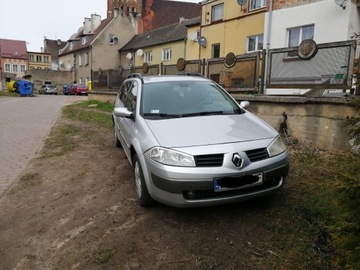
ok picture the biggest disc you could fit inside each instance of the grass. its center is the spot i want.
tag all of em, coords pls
(314, 224)
(67, 137)
(5, 93)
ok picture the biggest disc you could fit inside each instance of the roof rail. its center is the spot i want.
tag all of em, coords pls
(136, 75)
(193, 74)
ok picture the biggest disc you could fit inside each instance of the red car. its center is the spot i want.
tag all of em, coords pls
(79, 89)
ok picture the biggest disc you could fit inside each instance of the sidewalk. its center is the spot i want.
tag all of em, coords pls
(24, 124)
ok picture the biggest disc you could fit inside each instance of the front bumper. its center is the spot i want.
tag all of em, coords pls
(194, 187)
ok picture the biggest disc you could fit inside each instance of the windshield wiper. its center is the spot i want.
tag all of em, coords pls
(205, 113)
(163, 115)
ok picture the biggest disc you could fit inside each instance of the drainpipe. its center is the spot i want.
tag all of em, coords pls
(91, 67)
(268, 38)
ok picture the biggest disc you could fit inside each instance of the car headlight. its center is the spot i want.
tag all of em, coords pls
(170, 157)
(276, 147)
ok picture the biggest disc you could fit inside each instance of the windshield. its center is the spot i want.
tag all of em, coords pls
(185, 99)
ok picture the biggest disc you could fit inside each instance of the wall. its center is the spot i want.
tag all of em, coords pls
(317, 120)
(56, 77)
(320, 121)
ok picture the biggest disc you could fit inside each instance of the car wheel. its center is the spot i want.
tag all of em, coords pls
(117, 142)
(142, 193)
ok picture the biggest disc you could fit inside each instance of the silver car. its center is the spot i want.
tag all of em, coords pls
(191, 144)
(48, 89)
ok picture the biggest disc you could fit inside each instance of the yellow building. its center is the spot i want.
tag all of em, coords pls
(228, 27)
(38, 60)
(157, 51)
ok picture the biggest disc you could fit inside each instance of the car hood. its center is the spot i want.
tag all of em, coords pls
(208, 130)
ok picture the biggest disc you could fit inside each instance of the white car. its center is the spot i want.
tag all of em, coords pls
(191, 144)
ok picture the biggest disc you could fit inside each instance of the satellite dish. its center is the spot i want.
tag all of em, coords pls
(241, 2)
(202, 41)
(129, 56)
(230, 60)
(139, 52)
(341, 3)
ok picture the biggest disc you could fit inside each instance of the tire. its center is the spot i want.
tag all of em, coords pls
(142, 194)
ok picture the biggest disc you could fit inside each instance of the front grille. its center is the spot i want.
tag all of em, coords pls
(215, 160)
(257, 154)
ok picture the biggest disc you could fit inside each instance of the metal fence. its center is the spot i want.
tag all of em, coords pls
(329, 67)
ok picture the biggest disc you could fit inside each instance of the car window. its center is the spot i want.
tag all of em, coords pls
(124, 91)
(186, 97)
(131, 98)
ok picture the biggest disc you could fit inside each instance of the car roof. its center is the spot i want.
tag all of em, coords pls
(168, 78)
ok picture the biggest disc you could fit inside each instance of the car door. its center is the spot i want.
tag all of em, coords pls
(126, 98)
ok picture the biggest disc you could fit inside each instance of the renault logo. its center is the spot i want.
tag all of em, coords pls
(237, 160)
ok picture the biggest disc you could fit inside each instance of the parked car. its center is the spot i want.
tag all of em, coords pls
(79, 89)
(48, 89)
(66, 88)
(191, 144)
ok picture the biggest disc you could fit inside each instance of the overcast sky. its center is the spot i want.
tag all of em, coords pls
(32, 20)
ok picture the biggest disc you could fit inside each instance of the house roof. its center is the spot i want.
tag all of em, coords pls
(80, 34)
(166, 12)
(170, 33)
(13, 49)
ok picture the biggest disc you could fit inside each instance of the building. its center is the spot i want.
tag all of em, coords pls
(13, 59)
(53, 47)
(147, 15)
(38, 60)
(95, 46)
(162, 46)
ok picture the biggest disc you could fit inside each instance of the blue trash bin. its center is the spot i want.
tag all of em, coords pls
(25, 88)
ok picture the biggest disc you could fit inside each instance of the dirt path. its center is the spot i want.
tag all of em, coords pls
(77, 211)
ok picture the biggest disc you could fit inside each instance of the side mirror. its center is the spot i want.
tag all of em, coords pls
(244, 104)
(123, 112)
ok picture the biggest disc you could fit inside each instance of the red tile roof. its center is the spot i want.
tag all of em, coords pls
(13, 49)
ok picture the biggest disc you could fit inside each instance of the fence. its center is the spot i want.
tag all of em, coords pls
(319, 66)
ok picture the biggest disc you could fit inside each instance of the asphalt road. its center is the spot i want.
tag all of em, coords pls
(24, 124)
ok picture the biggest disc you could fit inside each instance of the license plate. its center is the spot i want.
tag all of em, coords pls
(231, 183)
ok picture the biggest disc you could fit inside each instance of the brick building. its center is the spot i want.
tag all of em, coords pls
(147, 15)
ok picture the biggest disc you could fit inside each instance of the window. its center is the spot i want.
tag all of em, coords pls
(80, 59)
(148, 57)
(131, 97)
(255, 43)
(256, 4)
(15, 68)
(166, 54)
(46, 59)
(215, 50)
(217, 12)
(297, 35)
(83, 41)
(38, 59)
(31, 58)
(7, 68)
(86, 58)
(71, 45)
(22, 68)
